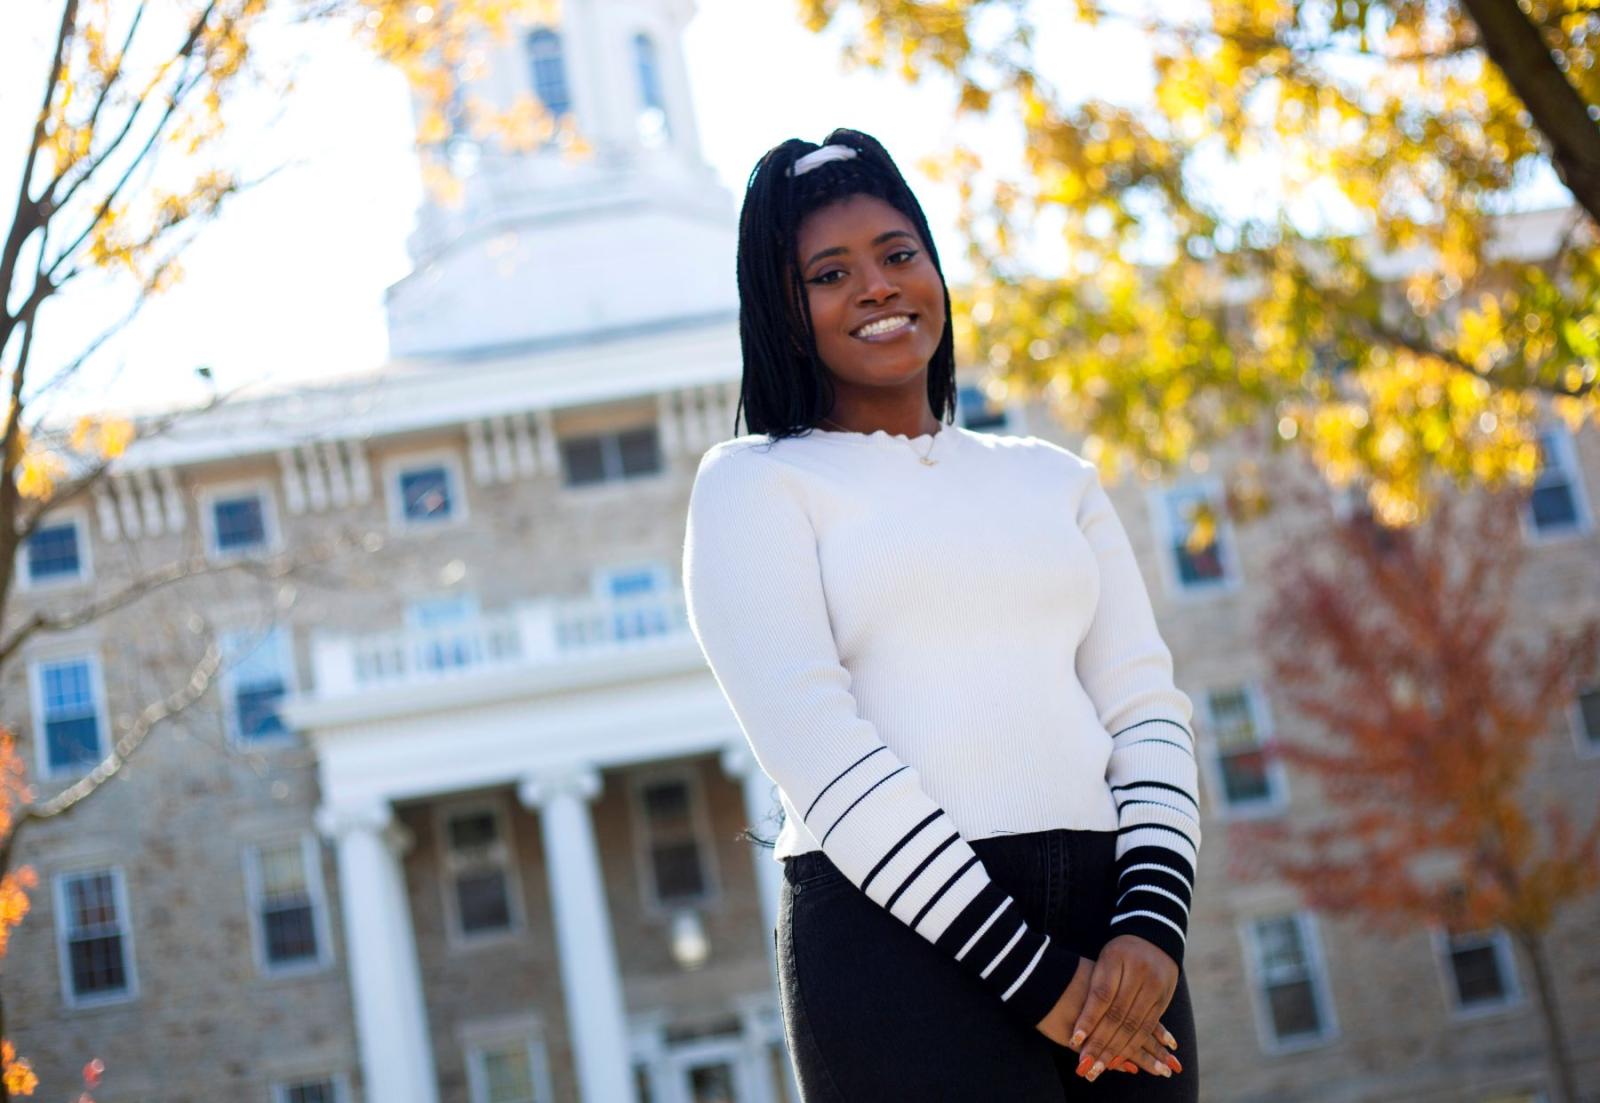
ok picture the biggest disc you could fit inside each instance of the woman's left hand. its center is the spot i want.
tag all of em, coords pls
(1133, 982)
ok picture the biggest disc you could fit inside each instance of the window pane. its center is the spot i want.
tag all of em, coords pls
(1231, 719)
(508, 1075)
(257, 709)
(678, 872)
(1244, 777)
(1282, 951)
(583, 460)
(1589, 711)
(1553, 503)
(425, 493)
(667, 805)
(1204, 565)
(315, 1091)
(484, 903)
(1294, 1010)
(639, 451)
(71, 723)
(472, 831)
(240, 523)
(1477, 972)
(549, 71)
(711, 1083)
(291, 933)
(94, 936)
(53, 552)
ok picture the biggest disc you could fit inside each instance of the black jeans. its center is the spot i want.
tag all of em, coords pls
(873, 1012)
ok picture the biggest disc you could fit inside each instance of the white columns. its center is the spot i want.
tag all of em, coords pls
(591, 982)
(759, 802)
(391, 1020)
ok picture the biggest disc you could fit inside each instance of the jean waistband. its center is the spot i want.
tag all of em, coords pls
(814, 863)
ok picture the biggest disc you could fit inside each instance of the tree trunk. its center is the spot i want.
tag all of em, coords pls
(1517, 47)
(1562, 1088)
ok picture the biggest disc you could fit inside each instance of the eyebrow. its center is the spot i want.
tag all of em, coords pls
(838, 250)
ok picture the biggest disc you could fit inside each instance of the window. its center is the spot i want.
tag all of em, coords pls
(1292, 1002)
(238, 521)
(446, 631)
(283, 882)
(255, 680)
(1480, 973)
(672, 839)
(609, 457)
(426, 493)
(55, 553)
(506, 1065)
(479, 867)
(638, 595)
(653, 123)
(1208, 567)
(1556, 506)
(69, 702)
(976, 410)
(1238, 722)
(549, 71)
(92, 926)
(1586, 720)
(323, 1089)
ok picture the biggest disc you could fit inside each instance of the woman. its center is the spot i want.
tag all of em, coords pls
(939, 646)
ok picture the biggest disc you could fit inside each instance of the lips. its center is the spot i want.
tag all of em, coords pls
(885, 326)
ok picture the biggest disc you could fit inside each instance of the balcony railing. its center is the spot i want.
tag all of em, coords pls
(530, 633)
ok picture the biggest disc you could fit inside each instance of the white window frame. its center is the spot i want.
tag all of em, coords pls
(1587, 747)
(457, 939)
(1261, 717)
(1227, 541)
(272, 535)
(1565, 453)
(70, 1000)
(23, 571)
(396, 466)
(311, 861)
(476, 1038)
(97, 687)
(619, 485)
(1311, 940)
(1501, 943)
(280, 637)
(341, 1086)
(700, 826)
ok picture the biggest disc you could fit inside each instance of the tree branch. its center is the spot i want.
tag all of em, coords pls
(1515, 45)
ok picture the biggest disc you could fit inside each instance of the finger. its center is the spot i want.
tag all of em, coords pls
(1151, 1056)
(1103, 985)
(1097, 1049)
(1137, 1006)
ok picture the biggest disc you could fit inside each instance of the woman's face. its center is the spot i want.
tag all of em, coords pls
(877, 302)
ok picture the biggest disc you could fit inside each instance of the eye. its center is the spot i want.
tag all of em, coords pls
(907, 253)
(826, 278)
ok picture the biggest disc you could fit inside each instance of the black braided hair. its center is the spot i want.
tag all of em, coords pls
(786, 389)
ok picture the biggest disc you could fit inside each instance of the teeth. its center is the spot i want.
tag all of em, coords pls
(883, 325)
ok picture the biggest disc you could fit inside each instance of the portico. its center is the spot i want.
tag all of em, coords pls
(549, 729)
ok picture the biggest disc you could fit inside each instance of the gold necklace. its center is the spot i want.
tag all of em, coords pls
(922, 458)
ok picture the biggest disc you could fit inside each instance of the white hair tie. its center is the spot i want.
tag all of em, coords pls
(821, 156)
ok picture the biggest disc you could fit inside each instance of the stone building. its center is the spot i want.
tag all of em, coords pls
(460, 818)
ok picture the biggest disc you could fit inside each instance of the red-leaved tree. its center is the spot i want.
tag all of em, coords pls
(1423, 700)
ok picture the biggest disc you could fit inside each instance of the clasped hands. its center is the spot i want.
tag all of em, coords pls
(1109, 1012)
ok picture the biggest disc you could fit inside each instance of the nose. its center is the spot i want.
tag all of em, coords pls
(876, 285)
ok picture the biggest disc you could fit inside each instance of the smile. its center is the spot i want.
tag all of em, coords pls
(885, 328)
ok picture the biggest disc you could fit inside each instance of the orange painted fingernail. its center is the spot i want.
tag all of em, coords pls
(1129, 1066)
(1083, 1065)
(1173, 1061)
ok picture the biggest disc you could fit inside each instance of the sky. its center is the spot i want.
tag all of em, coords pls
(289, 282)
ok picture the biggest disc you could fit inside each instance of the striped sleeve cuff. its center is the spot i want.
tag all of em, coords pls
(1158, 832)
(1026, 968)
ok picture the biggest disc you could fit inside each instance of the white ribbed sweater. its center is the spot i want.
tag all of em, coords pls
(921, 655)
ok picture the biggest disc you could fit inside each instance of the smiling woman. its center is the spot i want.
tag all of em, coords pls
(952, 672)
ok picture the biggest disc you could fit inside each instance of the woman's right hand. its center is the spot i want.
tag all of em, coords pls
(1146, 1050)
